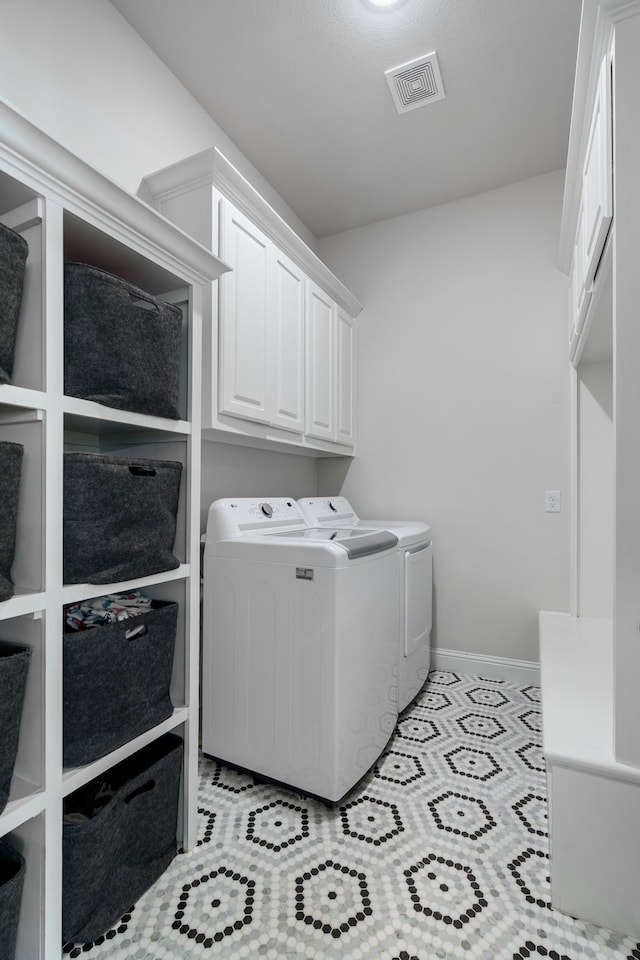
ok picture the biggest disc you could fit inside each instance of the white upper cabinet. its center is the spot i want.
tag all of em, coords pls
(597, 180)
(279, 342)
(261, 327)
(330, 352)
(594, 197)
(244, 317)
(321, 364)
(579, 294)
(285, 342)
(345, 417)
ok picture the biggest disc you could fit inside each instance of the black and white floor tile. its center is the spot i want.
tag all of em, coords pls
(441, 852)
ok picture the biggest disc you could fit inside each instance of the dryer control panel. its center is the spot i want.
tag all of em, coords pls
(334, 510)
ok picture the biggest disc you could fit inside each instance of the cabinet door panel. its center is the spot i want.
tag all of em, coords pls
(345, 366)
(580, 293)
(598, 176)
(285, 344)
(320, 364)
(243, 317)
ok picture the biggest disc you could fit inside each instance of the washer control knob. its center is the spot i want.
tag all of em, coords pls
(332, 507)
(266, 509)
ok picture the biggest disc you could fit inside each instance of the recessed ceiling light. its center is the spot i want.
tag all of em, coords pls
(382, 3)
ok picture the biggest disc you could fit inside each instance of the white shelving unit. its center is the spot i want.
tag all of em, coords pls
(590, 656)
(68, 211)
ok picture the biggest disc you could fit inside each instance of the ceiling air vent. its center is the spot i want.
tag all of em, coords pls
(416, 83)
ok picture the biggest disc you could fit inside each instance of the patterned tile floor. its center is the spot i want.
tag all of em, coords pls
(441, 852)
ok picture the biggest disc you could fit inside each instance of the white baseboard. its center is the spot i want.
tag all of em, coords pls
(480, 665)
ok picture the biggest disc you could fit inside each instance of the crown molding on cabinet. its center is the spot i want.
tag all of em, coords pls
(38, 160)
(211, 167)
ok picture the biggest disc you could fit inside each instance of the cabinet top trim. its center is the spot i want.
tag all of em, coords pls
(211, 168)
(597, 27)
(31, 156)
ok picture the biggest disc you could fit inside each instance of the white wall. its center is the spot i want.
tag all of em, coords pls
(229, 470)
(596, 458)
(79, 72)
(84, 76)
(463, 413)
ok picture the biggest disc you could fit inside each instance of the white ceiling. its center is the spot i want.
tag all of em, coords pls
(299, 86)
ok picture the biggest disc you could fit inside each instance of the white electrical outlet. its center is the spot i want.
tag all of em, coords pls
(552, 501)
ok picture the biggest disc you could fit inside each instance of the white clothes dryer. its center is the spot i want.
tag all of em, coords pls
(415, 556)
(299, 678)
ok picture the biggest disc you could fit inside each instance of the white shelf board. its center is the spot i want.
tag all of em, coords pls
(23, 603)
(87, 416)
(21, 398)
(576, 660)
(76, 592)
(28, 802)
(75, 777)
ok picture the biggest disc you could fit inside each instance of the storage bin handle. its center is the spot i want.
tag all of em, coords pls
(143, 302)
(136, 632)
(139, 471)
(144, 788)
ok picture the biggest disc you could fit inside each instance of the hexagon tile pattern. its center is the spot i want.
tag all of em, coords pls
(440, 852)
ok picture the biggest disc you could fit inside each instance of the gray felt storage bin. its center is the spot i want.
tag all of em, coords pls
(13, 258)
(14, 666)
(10, 467)
(12, 871)
(119, 517)
(116, 682)
(119, 835)
(121, 345)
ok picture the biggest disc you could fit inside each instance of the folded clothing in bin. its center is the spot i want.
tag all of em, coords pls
(12, 871)
(116, 674)
(14, 667)
(119, 835)
(121, 344)
(13, 257)
(11, 455)
(111, 608)
(119, 517)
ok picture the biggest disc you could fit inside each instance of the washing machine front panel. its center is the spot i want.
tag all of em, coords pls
(299, 657)
(268, 703)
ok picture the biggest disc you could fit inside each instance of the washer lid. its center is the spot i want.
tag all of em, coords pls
(357, 542)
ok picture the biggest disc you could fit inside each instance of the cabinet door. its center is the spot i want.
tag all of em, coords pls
(285, 343)
(345, 378)
(597, 185)
(579, 294)
(243, 317)
(320, 326)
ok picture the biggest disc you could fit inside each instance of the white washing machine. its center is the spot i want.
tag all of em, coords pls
(415, 552)
(299, 678)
